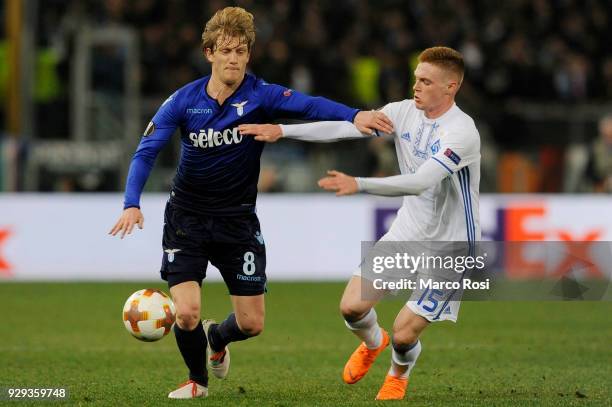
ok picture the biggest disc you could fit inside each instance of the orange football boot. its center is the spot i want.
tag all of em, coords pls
(361, 360)
(394, 388)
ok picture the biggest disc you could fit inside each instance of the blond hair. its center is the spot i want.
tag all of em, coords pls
(445, 58)
(229, 22)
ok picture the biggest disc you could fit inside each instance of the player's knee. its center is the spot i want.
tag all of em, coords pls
(350, 312)
(252, 327)
(187, 316)
(405, 335)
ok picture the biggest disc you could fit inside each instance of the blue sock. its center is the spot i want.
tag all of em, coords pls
(227, 331)
(192, 345)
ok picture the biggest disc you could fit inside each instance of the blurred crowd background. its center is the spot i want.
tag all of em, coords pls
(90, 74)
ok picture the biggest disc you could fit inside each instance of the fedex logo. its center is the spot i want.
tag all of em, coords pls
(512, 226)
(5, 267)
(523, 224)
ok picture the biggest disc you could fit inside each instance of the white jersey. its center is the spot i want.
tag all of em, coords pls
(440, 164)
(447, 211)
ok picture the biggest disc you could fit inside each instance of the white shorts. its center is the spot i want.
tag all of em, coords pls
(430, 302)
(435, 305)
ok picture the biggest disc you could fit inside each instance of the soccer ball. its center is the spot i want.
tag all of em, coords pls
(149, 314)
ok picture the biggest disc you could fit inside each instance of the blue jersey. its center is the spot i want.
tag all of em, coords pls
(218, 168)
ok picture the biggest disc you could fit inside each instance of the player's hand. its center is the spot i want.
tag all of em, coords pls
(341, 183)
(269, 133)
(367, 122)
(129, 218)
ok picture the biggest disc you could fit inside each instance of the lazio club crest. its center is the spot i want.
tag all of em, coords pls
(240, 107)
(171, 254)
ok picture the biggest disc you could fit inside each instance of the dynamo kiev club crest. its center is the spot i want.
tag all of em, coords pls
(240, 107)
(171, 254)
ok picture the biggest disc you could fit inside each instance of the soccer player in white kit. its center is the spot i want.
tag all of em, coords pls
(438, 149)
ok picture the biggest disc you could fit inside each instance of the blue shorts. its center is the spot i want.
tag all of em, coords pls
(233, 244)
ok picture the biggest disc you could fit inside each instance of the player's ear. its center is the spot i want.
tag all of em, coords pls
(208, 53)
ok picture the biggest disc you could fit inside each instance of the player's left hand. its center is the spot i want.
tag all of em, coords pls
(367, 122)
(269, 133)
(341, 183)
(130, 217)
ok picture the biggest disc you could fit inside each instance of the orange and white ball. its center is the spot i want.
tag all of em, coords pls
(149, 314)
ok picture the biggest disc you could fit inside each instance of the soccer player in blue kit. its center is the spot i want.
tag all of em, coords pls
(210, 215)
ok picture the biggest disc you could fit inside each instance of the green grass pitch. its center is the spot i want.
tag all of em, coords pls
(498, 354)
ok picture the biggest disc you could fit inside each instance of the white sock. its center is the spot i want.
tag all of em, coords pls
(402, 363)
(367, 329)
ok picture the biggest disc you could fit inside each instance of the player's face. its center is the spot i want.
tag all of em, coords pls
(431, 88)
(229, 60)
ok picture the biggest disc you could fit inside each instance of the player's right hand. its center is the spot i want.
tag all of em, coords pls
(129, 218)
(269, 133)
(375, 120)
(339, 182)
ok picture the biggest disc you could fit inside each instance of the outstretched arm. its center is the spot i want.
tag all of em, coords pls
(321, 132)
(457, 150)
(282, 102)
(316, 132)
(428, 175)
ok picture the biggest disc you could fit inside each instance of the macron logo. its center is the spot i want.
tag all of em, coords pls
(195, 110)
(240, 107)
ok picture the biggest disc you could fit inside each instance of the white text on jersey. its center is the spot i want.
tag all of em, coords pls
(209, 138)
